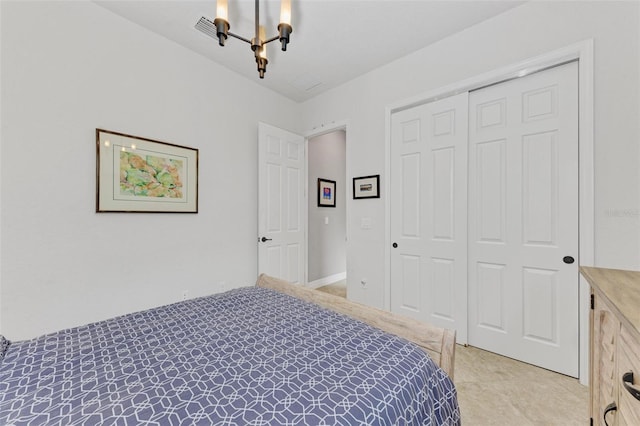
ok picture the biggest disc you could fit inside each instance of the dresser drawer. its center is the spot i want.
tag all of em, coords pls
(614, 345)
(628, 361)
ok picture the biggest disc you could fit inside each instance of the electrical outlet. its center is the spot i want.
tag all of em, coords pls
(185, 294)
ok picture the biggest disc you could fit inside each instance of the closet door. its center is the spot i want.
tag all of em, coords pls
(428, 213)
(523, 219)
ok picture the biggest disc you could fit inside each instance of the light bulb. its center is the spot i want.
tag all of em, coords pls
(285, 12)
(222, 10)
(263, 35)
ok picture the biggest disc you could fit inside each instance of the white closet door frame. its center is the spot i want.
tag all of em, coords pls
(583, 52)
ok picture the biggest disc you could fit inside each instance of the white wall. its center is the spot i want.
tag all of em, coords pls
(520, 33)
(67, 68)
(327, 246)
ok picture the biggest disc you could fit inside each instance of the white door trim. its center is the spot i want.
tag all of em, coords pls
(581, 51)
(310, 134)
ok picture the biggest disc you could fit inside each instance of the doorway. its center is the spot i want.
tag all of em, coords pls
(327, 210)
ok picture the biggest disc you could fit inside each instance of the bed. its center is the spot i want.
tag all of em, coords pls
(273, 353)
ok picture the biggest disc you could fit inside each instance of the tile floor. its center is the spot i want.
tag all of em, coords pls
(494, 390)
(338, 288)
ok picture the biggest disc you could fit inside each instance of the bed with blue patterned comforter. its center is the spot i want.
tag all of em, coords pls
(251, 356)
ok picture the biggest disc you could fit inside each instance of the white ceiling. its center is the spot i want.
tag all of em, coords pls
(333, 41)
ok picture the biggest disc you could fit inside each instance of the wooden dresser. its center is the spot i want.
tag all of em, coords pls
(615, 346)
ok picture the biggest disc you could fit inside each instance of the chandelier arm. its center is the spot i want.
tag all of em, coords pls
(239, 37)
(274, 38)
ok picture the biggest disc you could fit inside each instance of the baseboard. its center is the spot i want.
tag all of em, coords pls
(327, 280)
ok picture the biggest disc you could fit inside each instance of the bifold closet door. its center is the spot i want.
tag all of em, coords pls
(523, 219)
(429, 213)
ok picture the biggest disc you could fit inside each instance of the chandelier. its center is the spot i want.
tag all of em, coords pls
(259, 41)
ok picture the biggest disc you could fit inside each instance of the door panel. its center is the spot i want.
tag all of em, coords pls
(490, 282)
(411, 280)
(539, 189)
(442, 296)
(540, 307)
(428, 213)
(490, 191)
(411, 195)
(443, 169)
(294, 201)
(523, 210)
(273, 199)
(281, 201)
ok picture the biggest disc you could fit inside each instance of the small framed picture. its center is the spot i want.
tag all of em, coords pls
(366, 187)
(326, 193)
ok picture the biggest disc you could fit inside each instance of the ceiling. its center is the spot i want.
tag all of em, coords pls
(333, 41)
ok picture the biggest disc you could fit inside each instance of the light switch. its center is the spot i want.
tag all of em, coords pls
(365, 223)
(326, 220)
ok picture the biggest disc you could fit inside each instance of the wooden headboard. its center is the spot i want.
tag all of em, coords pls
(438, 342)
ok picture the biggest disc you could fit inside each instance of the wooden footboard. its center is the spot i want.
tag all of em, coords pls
(438, 342)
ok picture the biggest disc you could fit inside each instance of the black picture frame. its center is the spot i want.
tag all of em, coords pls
(366, 187)
(326, 193)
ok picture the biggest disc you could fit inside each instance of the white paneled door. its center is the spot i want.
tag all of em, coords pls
(281, 201)
(523, 219)
(429, 213)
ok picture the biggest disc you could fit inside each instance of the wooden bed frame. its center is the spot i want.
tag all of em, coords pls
(438, 342)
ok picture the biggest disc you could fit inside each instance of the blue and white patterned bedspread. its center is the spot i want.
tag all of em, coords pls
(251, 356)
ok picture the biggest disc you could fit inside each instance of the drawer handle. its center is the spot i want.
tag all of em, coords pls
(627, 381)
(611, 407)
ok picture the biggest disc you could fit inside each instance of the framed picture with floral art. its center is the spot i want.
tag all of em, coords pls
(140, 175)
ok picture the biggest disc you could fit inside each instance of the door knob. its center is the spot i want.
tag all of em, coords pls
(568, 260)
(395, 245)
(265, 239)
